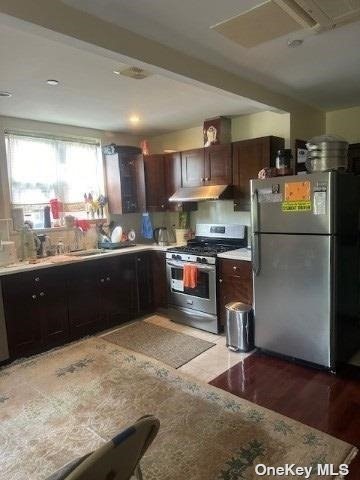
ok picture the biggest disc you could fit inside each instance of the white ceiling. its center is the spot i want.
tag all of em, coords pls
(91, 95)
(324, 71)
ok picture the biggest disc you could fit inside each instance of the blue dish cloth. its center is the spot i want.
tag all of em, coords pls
(146, 226)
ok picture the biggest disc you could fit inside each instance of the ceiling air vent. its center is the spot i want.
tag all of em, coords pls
(135, 73)
(275, 18)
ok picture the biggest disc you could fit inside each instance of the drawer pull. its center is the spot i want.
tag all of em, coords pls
(42, 294)
(102, 280)
(108, 279)
(220, 280)
(34, 297)
(37, 279)
(234, 268)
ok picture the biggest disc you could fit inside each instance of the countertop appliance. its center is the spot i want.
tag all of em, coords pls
(4, 351)
(197, 306)
(161, 236)
(305, 236)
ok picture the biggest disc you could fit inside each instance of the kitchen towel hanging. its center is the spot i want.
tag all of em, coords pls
(146, 226)
(190, 276)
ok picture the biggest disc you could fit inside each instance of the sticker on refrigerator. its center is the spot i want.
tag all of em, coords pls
(300, 206)
(319, 203)
(297, 191)
(177, 285)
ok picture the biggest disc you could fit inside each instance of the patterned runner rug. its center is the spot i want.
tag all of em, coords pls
(62, 404)
(170, 347)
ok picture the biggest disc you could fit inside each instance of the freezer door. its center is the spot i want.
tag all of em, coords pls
(293, 314)
(294, 204)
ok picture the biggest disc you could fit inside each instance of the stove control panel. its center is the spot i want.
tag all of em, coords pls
(201, 260)
(185, 257)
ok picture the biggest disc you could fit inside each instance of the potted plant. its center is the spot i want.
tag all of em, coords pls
(182, 232)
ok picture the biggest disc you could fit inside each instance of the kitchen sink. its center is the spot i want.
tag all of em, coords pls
(86, 253)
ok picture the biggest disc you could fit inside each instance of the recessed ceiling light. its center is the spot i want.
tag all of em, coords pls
(5, 94)
(295, 43)
(134, 119)
(52, 82)
(169, 151)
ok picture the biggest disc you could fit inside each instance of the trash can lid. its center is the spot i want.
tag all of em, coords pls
(238, 307)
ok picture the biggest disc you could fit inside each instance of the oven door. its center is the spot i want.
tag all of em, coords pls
(201, 298)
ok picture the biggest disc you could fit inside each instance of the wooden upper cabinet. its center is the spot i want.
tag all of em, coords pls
(207, 166)
(173, 181)
(193, 167)
(249, 157)
(172, 165)
(156, 195)
(124, 172)
(218, 165)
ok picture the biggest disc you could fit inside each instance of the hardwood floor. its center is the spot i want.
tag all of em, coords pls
(319, 399)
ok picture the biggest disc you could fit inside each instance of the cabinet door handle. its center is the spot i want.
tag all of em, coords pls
(139, 259)
(207, 179)
(42, 294)
(202, 179)
(102, 280)
(220, 280)
(37, 279)
(234, 268)
(34, 297)
(162, 206)
(108, 279)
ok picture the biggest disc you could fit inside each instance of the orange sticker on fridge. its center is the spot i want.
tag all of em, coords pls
(297, 191)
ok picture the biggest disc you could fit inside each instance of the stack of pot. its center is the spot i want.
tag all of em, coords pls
(327, 152)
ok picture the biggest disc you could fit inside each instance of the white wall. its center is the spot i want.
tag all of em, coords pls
(261, 124)
(254, 125)
(344, 122)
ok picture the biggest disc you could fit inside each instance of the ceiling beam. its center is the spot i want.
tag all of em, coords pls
(60, 18)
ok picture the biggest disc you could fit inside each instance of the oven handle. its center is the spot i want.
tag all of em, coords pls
(181, 265)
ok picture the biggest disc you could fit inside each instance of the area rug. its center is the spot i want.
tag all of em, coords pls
(60, 405)
(170, 347)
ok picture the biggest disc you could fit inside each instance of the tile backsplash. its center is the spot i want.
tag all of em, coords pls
(219, 211)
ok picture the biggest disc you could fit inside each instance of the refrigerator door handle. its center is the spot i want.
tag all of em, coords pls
(256, 266)
(255, 211)
(254, 234)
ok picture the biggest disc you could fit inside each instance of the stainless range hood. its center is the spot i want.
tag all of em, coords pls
(199, 194)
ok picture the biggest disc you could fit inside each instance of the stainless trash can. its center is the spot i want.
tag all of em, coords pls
(239, 327)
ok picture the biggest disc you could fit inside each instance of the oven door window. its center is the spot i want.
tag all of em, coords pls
(202, 287)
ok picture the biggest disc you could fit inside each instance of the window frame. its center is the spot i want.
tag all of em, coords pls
(6, 177)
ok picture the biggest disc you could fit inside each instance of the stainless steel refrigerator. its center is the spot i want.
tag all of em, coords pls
(305, 240)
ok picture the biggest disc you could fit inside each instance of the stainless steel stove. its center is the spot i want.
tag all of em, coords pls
(197, 306)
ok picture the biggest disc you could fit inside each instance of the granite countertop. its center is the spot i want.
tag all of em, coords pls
(59, 260)
(238, 254)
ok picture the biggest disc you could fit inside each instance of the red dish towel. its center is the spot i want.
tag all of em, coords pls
(190, 276)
